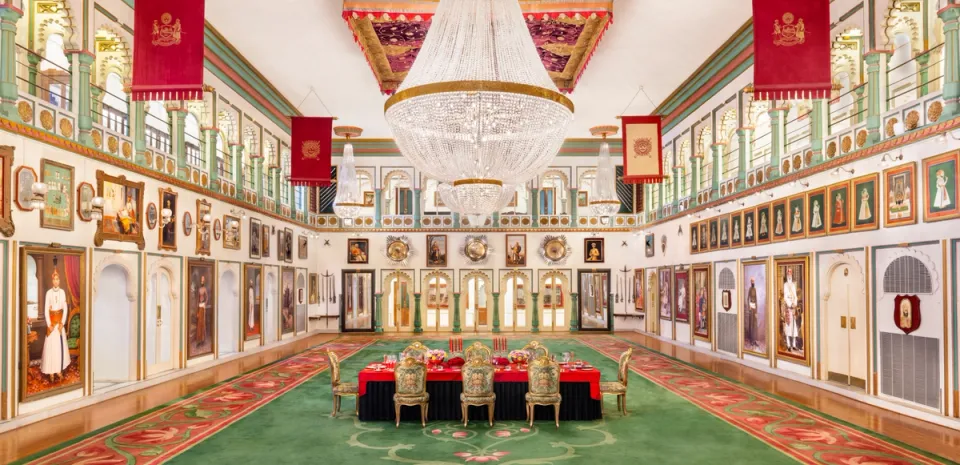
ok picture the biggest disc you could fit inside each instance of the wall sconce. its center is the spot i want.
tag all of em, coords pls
(802, 183)
(166, 215)
(95, 212)
(241, 213)
(888, 159)
(840, 169)
(204, 225)
(38, 201)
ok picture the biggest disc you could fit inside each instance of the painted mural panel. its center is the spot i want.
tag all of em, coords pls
(755, 313)
(252, 301)
(201, 308)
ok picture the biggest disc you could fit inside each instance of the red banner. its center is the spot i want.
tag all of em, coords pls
(791, 46)
(168, 50)
(311, 151)
(642, 149)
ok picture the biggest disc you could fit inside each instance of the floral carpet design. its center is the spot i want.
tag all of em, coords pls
(807, 437)
(163, 433)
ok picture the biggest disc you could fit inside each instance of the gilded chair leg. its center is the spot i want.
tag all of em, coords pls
(556, 414)
(619, 405)
(490, 411)
(463, 410)
(623, 402)
(397, 408)
(423, 414)
(530, 414)
(356, 406)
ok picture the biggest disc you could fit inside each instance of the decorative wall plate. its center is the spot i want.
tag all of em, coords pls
(187, 224)
(398, 250)
(217, 229)
(555, 250)
(476, 249)
(151, 216)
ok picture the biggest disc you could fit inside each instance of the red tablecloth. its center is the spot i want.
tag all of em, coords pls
(514, 375)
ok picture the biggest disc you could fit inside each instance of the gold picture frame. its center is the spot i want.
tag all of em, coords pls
(205, 236)
(125, 228)
(6, 200)
(56, 189)
(167, 194)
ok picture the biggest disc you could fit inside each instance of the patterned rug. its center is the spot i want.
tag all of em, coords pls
(679, 414)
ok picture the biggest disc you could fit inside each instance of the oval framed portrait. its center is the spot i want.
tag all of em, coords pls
(187, 224)
(217, 229)
(151, 216)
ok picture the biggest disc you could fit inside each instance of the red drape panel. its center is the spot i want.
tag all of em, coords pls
(791, 40)
(311, 150)
(168, 50)
(642, 149)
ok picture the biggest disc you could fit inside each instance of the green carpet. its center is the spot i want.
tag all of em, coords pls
(662, 428)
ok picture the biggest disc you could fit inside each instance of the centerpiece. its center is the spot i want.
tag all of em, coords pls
(436, 356)
(519, 357)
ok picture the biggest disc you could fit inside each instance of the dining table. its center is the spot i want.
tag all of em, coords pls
(579, 390)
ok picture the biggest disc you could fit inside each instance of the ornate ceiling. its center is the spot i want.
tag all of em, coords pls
(390, 33)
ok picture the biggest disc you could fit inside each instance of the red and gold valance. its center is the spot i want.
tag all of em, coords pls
(310, 151)
(642, 149)
(168, 50)
(791, 41)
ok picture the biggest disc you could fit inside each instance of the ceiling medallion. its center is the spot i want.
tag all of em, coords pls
(555, 250)
(398, 250)
(476, 249)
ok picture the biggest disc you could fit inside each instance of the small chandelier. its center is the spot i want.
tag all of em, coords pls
(349, 199)
(478, 111)
(603, 196)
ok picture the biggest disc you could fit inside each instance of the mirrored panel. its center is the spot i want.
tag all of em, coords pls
(356, 303)
(594, 299)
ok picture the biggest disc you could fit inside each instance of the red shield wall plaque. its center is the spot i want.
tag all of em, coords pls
(906, 313)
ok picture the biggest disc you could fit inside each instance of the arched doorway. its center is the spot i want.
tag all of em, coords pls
(555, 302)
(515, 291)
(301, 317)
(845, 321)
(399, 302)
(478, 295)
(162, 329)
(228, 314)
(436, 301)
(270, 308)
(114, 329)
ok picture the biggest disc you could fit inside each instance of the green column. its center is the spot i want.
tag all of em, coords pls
(745, 139)
(96, 103)
(456, 313)
(495, 220)
(258, 178)
(776, 140)
(33, 61)
(275, 179)
(293, 202)
(456, 220)
(178, 118)
(694, 178)
(82, 93)
(574, 311)
(237, 149)
(717, 167)
(861, 102)
(417, 208)
(922, 62)
(8, 61)
(496, 312)
(535, 206)
(951, 79)
(210, 135)
(573, 207)
(677, 180)
(876, 104)
(377, 202)
(535, 318)
(138, 130)
(378, 323)
(819, 117)
(417, 324)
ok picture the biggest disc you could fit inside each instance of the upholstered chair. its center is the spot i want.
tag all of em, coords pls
(477, 350)
(477, 387)
(416, 350)
(410, 377)
(544, 387)
(341, 389)
(536, 350)
(619, 388)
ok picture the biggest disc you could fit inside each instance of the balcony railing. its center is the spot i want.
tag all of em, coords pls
(43, 79)
(847, 109)
(915, 78)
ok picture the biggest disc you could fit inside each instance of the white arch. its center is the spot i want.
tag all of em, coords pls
(122, 262)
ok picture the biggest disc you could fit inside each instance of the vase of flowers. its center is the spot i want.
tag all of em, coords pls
(436, 356)
(519, 357)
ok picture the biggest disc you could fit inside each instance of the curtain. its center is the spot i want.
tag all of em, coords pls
(71, 271)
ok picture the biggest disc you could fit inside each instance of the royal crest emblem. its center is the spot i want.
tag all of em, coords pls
(906, 313)
(310, 149)
(642, 147)
(166, 34)
(788, 34)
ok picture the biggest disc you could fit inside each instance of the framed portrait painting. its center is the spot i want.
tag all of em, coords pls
(899, 196)
(755, 314)
(701, 299)
(749, 227)
(436, 250)
(252, 302)
(6, 215)
(724, 233)
(231, 232)
(778, 214)
(358, 251)
(256, 227)
(694, 238)
(816, 225)
(122, 210)
(168, 230)
(703, 237)
(638, 290)
(864, 200)
(665, 292)
(940, 174)
(287, 248)
(681, 287)
(53, 313)
(763, 224)
(287, 302)
(58, 210)
(714, 234)
(204, 239)
(85, 195)
(314, 285)
(796, 212)
(593, 250)
(201, 307)
(792, 307)
(583, 199)
(736, 229)
(303, 245)
(516, 250)
(265, 242)
(838, 196)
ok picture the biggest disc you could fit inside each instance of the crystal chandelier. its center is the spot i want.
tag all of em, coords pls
(349, 200)
(603, 196)
(478, 111)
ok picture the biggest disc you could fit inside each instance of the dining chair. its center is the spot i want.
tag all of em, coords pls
(477, 378)
(543, 387)
(619, 388)
(341, 389)
(410, 377)
(416, 350)
(536, 350)
(477, 350)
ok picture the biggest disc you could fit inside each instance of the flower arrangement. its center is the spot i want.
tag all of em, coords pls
(518, 356)
(436, 356)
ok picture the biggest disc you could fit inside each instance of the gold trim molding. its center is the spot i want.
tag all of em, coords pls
(478, 86)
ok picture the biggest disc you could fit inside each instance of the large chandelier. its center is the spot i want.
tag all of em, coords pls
(349, 199)
(478, 111)
(603, 197)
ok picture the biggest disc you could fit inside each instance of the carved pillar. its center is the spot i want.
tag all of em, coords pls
(776, 140)
(496, 312)
(819, 119)
(378, 328)
(951, 79)
(258, 178)
(377, 213)
(694, 178)
(535, 206)
(33, 61)
(677, 180)
(877, 92)
(745, 139)
(81, 95)
(417, 208)
(861, 102)
(922, 61)
(178, 118)
(276, 180)
(9, 15)
(535, 318)
(456, 313)
(237, 149)
(574, 311)
(138, 130)
(573, 207)
(417, 323)
(717, 167)
(210, 135)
